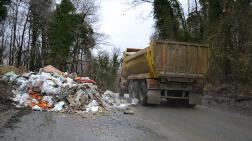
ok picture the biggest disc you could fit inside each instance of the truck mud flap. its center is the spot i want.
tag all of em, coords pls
(195, 98)
(153, 97)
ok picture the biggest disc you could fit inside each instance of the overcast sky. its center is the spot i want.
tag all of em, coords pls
(126, 27)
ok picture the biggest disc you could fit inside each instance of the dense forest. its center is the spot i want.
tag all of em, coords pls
(226, 25)
(35, 33)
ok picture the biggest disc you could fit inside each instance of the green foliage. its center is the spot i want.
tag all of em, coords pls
(104, 70)
(224, 24)
(170, 21)
(229, 35)
(35, 24)
(62, 33)
(3, 9)
(86, 36)
(69, 36)
(196, 27)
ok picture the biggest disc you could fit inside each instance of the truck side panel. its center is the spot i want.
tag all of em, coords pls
(137, 63)
(180, 58)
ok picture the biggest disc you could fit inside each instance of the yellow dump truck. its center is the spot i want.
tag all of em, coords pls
(165, 70)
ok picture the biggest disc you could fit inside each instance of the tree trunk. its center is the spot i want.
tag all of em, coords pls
(10, 46)
(19, 53)
(3, 43)
(44, 44)
(33, 48)
(14, 34)
(81, 62)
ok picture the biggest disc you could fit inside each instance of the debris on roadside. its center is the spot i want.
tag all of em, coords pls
(52, 90)
(52, 69)
(128, 112)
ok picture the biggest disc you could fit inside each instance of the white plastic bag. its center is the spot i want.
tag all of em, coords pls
(24, 97)
(134, 102)
(36, 108)
(58, 107)
(48, 89)
(23, 85)
(123, 106)
(92, 107)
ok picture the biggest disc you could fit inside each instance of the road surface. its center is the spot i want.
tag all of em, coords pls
(158, 123)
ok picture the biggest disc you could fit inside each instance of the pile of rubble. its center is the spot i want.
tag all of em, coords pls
(52, 90)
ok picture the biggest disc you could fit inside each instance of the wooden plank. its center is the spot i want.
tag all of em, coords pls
(192, 60)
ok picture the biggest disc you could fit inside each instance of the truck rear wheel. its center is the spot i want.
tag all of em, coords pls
(121, 92)
(131, 88)
(191, 105)
(143, 93)
(135, 89)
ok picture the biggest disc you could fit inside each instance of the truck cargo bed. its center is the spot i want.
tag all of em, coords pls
(168, 59)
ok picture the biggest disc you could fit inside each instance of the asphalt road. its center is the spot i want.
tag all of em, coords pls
(159, 123)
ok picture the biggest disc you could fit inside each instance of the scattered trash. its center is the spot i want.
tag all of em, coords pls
(135, 102)
(128, 112)
(52, 90)
(11, 76)
(92, 107)
(58, 107)
(36, 108)
(123, 106)
(23, 98)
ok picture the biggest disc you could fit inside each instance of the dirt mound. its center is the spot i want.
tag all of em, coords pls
(4, 69)
(231, 90)
(235, 98)
(5, 93)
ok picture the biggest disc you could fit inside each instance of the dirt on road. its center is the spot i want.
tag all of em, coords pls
(159, 123)
(9, 114)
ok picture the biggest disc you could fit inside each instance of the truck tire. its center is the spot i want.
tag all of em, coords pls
(143, 93)
(136, 89)
(121, 92)
(191, 105)
(131, 88)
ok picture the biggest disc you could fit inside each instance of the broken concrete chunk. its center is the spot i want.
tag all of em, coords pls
(52, 69)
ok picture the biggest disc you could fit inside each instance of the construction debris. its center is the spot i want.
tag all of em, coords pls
(52, 90)
(52, 69)
(128, 112)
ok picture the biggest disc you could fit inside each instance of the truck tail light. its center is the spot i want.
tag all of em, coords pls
(153, 83)
(197, 88)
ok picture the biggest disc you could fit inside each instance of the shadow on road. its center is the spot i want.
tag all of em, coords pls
(174, 104)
